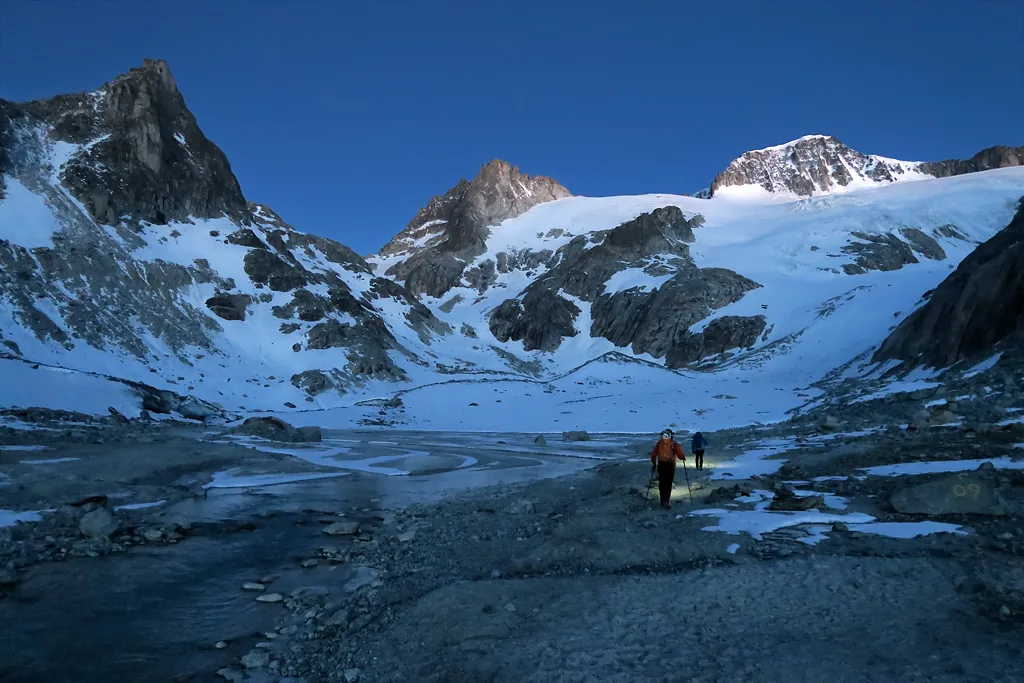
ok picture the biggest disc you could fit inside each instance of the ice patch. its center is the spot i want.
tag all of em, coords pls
(10, 517)
(907, 529)
(733, 548)
(49, 461)
(758, 522)
(936, 467)
(984, 365)
(139, 506)
(25, 218)
(231, 479)
(23, 448)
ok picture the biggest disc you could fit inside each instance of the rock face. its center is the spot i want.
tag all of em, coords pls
(977, 305)
(452, 228)
(141, 201)
(985, 160)
(654, 320)
(817, 164)
(813, 164)
(146, 160)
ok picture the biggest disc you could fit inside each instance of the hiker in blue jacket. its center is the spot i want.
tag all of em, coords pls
(697, 446)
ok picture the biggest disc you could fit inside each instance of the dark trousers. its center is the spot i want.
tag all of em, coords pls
(666, 473)
(698, 457)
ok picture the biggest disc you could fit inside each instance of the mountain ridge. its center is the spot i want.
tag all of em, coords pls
(128, 250)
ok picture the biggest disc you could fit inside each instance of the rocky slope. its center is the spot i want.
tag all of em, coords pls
(452, 229)
(127, 245)
(821, 164)
(979, 304)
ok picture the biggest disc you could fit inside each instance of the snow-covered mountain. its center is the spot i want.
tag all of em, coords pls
(820, 164)
(129, 251)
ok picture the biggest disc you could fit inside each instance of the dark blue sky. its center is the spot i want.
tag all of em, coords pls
(345, 117)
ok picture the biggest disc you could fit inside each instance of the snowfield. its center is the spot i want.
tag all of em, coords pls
(818, 318)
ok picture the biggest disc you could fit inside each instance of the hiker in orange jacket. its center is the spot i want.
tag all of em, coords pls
(664, 457)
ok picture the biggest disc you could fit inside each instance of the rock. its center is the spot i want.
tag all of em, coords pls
(575, 436)
(256, 659)
(117, 417)
(540, 440)
(962, 493)
(312, 562)
(941, 417)
(221, 644)
(178, 522)
(509, 607)
(8, 577)
(230, 674)
(270, 597)
(727, 494)
(342, 529)
(986, 466)
(195, 409)
(338, 618)
(407, 536)
(229, 306)
(99, 523)
(152, 534)
(310, 434)
(522, 507)
(351, 675)
(840, 526)
(89, 503)
(253, 586)
(787, 500)
(830, 423)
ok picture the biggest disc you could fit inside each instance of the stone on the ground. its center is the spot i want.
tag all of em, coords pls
(962, 493)
(8, 577)
(230, 674)
(253, 586)
(727, 494)
(540, 440)
(99, 523)
(522, 507)
(787, 500)
(351, 675)
(270, 597)
(221, 644)
(152, 534)
(575, 436)
(943, 417)
(256, 659)
(407, 536)
(342, 529)
(830, 423)
(312, 562)
(276, 429)
(839, 526)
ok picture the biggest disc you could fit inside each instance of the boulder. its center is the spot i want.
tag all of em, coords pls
(540, 440)
(943, 417)
(342, 529)
(785, 499)
(276, 429)
(575, 436)
(830, 424)
(962, 493)
(727, 494)
(99, 523)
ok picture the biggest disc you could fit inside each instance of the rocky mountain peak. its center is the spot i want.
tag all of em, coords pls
(431, 253)
(813, 164)
(131, 151)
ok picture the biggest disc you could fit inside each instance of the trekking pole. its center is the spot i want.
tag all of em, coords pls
(688, 490)
(647, 496)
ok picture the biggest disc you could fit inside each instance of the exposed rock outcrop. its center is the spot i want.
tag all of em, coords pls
(978, 305)
(145, 157)
(817, 164)
(985, 160)
(451, 229)
(652, 320)
(812, 164)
